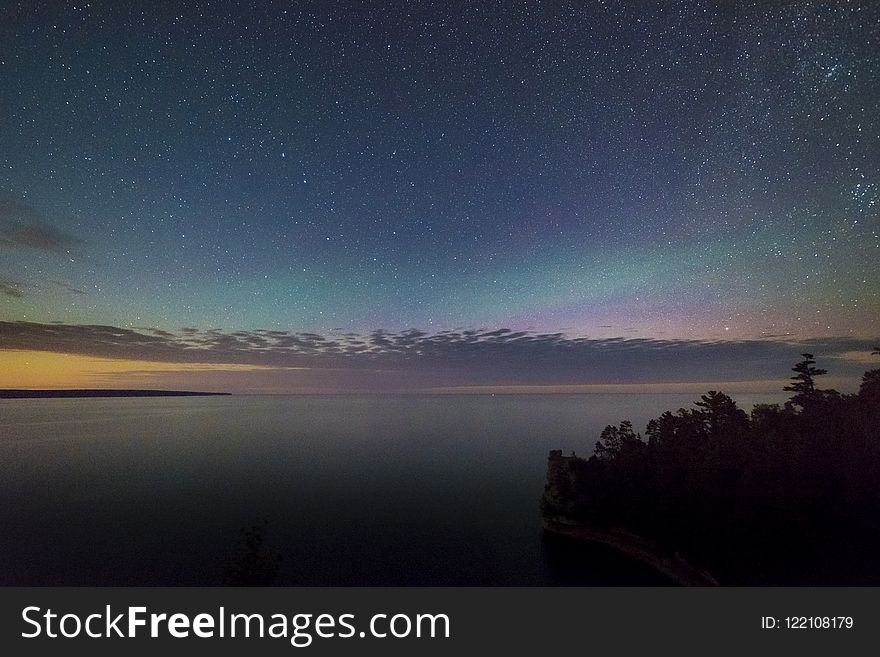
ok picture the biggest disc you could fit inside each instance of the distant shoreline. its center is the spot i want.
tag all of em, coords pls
(68, 394)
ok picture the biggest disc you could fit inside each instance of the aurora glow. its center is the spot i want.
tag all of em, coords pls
(662, 171)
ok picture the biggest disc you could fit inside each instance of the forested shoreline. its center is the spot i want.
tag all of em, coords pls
(786, 494)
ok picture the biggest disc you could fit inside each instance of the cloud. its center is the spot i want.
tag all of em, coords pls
(21, 226)
(866, 356)
(415, 359)
(14, 288)
(67, 287)
(10, 289)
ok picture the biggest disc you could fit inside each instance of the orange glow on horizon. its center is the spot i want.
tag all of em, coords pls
(49, 370)
(28, 369)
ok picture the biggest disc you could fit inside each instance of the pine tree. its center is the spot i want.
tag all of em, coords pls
(720, 411)
(613, 440)
(870, 388)
(804, 384)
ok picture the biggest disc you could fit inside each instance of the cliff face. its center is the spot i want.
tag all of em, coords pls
(557, 504)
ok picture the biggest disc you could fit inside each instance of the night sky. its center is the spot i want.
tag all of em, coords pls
(676, 174)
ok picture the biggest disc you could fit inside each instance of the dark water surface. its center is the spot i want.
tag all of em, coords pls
(400, 490)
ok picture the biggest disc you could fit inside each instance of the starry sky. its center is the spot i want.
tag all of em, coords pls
(280, 187)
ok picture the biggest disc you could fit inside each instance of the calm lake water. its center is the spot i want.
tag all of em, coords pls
(400, 490)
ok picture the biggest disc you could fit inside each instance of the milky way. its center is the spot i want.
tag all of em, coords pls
(651, 170)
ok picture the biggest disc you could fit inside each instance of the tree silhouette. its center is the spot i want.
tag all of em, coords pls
(804, 384)
(615, 440)
(759, 499)
(870, 385)
(720, 411)
(253, 564)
